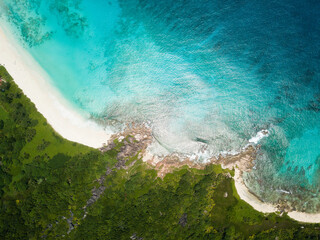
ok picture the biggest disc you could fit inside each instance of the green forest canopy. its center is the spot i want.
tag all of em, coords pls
(46, 181)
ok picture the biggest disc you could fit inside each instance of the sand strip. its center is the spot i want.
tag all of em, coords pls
(35, 84)
(263, 207)
(72, 125)
(248, 197)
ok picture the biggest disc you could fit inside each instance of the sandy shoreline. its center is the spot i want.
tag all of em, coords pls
(248, 197)
(72, 125)
(263, 207)
(35, 84)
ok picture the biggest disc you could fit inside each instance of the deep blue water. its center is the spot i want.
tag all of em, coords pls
(204, 74)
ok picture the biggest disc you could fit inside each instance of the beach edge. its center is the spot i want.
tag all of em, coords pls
(71, 125)
(245, 194)
(35, 84)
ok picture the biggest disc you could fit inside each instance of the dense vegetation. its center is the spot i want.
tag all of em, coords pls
(46, 181)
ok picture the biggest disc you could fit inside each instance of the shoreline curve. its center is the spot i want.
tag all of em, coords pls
(72, 125)
(245, 194)
(35, 84)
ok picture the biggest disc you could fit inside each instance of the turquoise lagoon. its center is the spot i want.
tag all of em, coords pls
(203, 74)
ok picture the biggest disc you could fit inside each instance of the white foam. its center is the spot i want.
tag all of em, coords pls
(283, 191)
(260, 135)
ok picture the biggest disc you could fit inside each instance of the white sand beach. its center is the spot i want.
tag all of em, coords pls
(247, 196)
(35, 83)
(72, 125)
(263, 207)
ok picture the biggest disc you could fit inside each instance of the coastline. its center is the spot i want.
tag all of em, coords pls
(250, 198)
(240, 162)
(70, 124)
(35, 84)
(245, 194)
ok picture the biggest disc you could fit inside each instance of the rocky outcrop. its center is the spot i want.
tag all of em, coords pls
(96, 192)
(134, 141)
(183, 221)
(243, 160)
(135, 237)
(172, 162)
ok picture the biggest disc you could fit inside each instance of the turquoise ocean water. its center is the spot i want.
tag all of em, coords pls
(204, 74)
